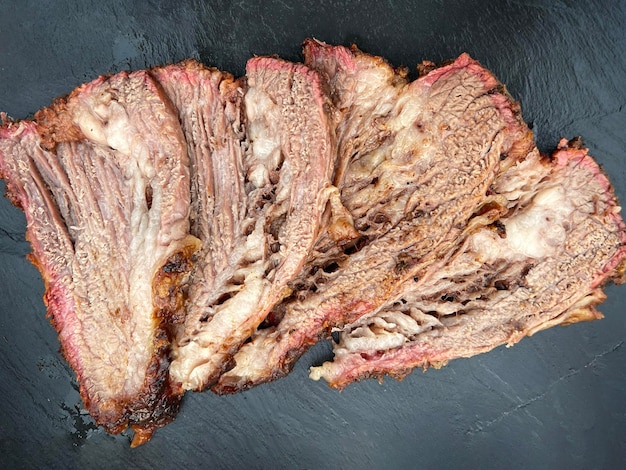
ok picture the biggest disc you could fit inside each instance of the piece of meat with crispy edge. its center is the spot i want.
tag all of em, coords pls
(102, 176)
(262, 188)
(544, 265)
(439, 160)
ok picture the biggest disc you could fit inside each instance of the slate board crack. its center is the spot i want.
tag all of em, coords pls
(480, 427)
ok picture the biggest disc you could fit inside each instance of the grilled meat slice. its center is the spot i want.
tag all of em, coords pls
(414, 168)
(103, 179)
(262, 154)
(542, 265)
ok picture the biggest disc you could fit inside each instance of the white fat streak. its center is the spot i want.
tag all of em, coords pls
(535, 232)
(283, 191)
(106, 122)
(380, 77)
(199, 358)
(202, 355)
(263, 119)
(408, 140)
(384, 332)
(258, 175)
(411, 108)
(147, 255)
(371, 341)
(255, 243)
(387, 330)
(518, 181)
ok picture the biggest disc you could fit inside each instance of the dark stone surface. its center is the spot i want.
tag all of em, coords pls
(557, 400)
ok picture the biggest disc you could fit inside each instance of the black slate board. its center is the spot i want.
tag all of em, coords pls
(557, 400)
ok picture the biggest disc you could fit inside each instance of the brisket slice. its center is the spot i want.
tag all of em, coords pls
(414, 168)
(103, 179)
(261, 158)
(544, 264)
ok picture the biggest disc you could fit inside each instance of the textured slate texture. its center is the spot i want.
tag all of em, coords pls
(557, 400)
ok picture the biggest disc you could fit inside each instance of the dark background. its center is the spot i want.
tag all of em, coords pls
(557, 400)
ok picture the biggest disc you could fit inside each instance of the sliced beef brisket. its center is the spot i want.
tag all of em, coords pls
(195, 230)
(103, 179)
(259, 191)
(544, 264)
(415, 165)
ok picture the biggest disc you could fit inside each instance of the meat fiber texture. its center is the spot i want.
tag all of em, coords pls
(542, 265)
(415, 166)
(198, 231)
(261, 166)
(103, 178)
(136, 182)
